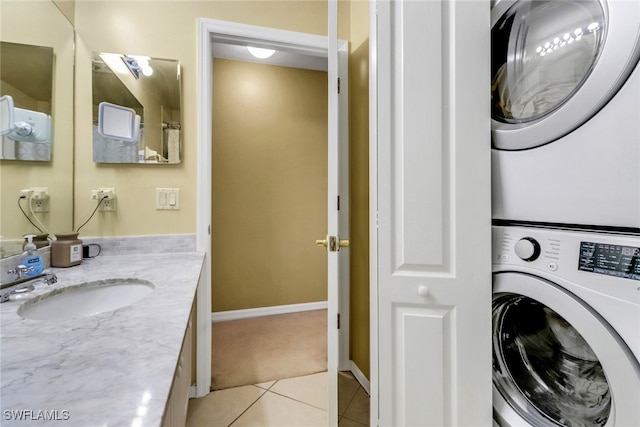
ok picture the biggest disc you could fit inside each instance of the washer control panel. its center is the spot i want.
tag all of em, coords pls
(587, 263)
(612, 260)
(568, 252)
(512, 246)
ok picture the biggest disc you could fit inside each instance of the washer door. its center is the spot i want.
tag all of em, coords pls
(557, 63)
(556, 362)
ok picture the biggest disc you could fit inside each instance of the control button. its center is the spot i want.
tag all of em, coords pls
(552, 266)
(505, 257)
(528, 249)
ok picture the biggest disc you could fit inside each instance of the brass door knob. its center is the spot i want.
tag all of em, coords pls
(333, 243)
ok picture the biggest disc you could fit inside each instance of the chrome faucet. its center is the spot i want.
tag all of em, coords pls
(20, 271)
(25, 285)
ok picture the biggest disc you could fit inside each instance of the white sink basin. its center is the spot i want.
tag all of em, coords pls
(85, 299)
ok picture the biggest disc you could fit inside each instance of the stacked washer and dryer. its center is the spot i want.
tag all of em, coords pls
(566, 212)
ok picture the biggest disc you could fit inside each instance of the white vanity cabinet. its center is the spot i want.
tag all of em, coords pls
(175, 414)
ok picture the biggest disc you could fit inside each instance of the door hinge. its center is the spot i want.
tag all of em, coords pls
(338, 202)
(209, 229)
(338, 320)
(338, 84)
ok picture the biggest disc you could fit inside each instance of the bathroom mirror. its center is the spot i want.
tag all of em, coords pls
(26, 80)
(37, 56)
(141, 90)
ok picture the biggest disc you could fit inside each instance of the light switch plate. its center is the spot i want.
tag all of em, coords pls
(168, 199)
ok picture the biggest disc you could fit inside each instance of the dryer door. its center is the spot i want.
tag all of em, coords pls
(557, 63)
(555, 361)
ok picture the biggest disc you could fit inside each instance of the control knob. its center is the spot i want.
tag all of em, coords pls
(528, 249)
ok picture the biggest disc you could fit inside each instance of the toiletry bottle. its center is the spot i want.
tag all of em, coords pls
(31, 259)
(66, 250)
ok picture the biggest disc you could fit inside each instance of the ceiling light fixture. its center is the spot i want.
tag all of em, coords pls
(138, 65)
(261, 53)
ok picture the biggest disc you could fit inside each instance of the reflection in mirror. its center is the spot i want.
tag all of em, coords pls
(145, 87)
(6, 114)
(36, 72)
(27, 79)
(116, 122)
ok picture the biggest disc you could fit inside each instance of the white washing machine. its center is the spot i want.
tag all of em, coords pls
(566, 328)
(566, 112)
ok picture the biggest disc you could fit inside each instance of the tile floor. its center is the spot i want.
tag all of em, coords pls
(291, 402)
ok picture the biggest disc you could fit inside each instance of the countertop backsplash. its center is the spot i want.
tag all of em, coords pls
(155, 244)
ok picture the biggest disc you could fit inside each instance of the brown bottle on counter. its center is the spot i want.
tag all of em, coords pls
(66, 250)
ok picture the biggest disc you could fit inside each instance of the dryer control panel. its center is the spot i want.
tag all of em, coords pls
(612, 260)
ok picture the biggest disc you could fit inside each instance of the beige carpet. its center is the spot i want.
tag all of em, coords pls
(260, 349)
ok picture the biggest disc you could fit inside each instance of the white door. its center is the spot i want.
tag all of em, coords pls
(214, 31)
(337, 213)
(430, 197)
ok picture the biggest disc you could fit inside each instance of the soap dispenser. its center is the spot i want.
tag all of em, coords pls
(31, 259)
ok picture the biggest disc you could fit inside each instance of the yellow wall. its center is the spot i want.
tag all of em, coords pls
(166, 29)
(359, 183)
(269, 192)
(161, 29)
(41, 24)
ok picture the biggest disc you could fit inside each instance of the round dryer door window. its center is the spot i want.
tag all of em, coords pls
(556, 362)
(555, 64)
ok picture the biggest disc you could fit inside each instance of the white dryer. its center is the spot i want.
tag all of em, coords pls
(566, 328)
(566, 112)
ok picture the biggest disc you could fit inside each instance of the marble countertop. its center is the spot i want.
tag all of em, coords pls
(111, 369)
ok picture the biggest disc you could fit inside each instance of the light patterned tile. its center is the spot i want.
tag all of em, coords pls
(273, 410)
(266, 385)
(347, 388)
(220, 408)
(310, 389)
(346, 422)
(358, 409)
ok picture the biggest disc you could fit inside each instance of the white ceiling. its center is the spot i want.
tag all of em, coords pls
(282, 58)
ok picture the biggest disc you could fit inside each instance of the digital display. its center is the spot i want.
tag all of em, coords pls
(612, 260)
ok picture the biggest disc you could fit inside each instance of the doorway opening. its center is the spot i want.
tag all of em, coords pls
(214, 33)
(269, 195)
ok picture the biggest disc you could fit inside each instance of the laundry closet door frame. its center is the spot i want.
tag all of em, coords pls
(220, 31)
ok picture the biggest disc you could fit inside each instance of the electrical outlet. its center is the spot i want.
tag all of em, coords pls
(108, 196)
(26, 193)
(38, 197)
(109, 192)
(40, 192)
(96, 194)
(40, 205)
(108, 205)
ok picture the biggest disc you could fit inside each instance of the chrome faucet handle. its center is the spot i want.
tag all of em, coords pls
(50, 279)
(20, 270)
